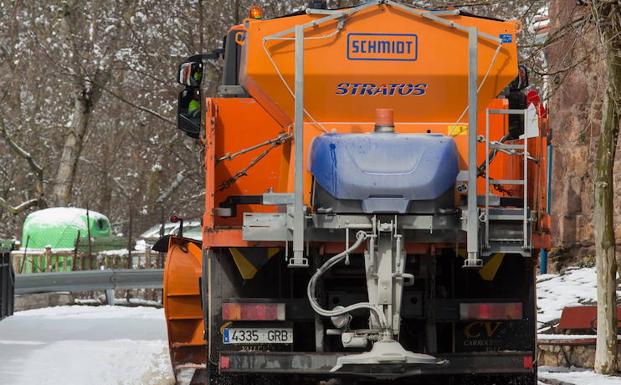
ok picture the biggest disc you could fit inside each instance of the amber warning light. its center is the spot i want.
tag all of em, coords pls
(255, 12)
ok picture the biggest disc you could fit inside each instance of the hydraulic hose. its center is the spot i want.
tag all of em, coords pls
(361, 236)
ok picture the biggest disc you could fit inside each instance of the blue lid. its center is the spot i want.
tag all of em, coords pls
(385, 170)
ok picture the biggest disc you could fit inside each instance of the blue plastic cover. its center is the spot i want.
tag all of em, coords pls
(384, 170)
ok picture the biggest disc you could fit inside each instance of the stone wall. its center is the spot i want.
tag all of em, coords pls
(576, 95)
(580, 356)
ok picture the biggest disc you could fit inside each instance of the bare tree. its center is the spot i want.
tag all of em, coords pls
(607, 17)
(91, 99)
(88, 80)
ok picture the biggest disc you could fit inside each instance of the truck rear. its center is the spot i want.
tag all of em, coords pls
(375, 199)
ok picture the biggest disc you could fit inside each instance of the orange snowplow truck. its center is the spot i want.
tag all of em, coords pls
(375, 201)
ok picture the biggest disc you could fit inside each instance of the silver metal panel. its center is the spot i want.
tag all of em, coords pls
(335, 222)
(419, 222)
(266, 227)
(278, 199)
(364, 222)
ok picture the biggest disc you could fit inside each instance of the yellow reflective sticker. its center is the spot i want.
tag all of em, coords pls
(457, 129)
(489, 270)
(245, 267)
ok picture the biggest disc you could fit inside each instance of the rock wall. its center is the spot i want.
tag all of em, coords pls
(569, 355)
(576, 95)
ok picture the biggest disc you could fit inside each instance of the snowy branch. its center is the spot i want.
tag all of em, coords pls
(21, 207)
(172, 188)
(34, 166)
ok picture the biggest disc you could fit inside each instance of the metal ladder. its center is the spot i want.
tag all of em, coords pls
(506, 222)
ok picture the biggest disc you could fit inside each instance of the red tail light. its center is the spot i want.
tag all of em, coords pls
(225, 362)
(253, 312)
(490, 311)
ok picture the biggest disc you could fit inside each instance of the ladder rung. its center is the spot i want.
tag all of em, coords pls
(507, 217)
(506, 112)
(506, 146)
(507, 181)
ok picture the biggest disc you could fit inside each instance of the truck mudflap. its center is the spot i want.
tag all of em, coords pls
(487, 363)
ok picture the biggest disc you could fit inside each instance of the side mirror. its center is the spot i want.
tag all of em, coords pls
(190, 74)
(189, 107)
(189, 111)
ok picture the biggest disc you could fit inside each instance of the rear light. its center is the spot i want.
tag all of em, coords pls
(528, 362)
(490, 311)
(253, 312)
(225, 362)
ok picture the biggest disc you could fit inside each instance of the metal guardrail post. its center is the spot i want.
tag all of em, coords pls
(110, 297)
(6, 284)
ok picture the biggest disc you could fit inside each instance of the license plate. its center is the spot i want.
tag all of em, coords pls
(258, 336)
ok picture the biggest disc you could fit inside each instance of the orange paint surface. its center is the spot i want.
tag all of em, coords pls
(388, 53)
(413, 50)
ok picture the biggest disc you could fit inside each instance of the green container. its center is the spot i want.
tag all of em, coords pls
(59, 228)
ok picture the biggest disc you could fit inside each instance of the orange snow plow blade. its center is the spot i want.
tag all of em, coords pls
(182, 303)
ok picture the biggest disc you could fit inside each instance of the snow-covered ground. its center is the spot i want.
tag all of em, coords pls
(577, 286)
(82, 345)
(554, 292)
(576, 376)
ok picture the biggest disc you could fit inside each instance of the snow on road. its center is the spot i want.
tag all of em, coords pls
(78, 345)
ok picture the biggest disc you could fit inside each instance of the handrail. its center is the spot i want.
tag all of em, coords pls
(89, 280)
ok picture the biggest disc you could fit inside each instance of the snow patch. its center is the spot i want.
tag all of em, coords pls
(63, 216)
(77, 345)
(577, 376)
(555, 292)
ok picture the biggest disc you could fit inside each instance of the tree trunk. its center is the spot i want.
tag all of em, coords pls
(607, 17)
(65, 176)
(605, 358)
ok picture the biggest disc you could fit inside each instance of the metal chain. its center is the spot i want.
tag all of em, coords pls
(278, 140)
(273, 143)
